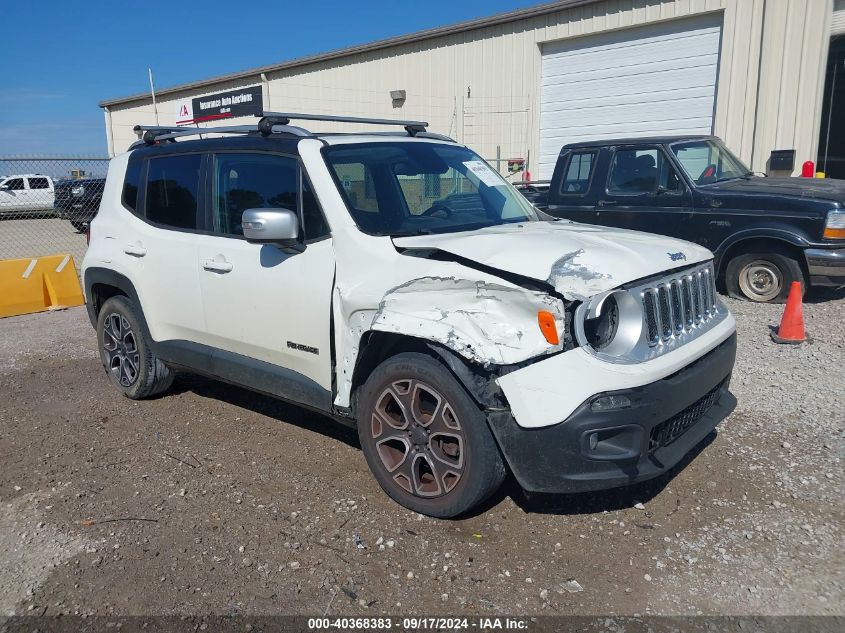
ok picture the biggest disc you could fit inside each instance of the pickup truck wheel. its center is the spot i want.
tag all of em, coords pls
(127, 356)
(425, 440)
(762, 277)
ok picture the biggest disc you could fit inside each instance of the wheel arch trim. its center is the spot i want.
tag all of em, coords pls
(769, 233)
(107, 277)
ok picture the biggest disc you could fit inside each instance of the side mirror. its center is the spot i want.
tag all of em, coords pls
(4, 187)
(272, 226)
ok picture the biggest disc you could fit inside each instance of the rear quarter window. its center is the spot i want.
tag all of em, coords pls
(578, 173)
(131, 183)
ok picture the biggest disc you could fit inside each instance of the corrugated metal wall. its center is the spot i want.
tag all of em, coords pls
(482, 86)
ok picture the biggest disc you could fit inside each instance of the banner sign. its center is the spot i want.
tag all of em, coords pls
(222, 105)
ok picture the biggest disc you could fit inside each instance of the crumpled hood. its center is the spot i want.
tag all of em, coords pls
(578, 260)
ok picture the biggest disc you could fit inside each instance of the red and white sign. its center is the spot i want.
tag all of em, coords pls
(184, 112)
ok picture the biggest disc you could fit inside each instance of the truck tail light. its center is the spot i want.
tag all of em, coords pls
(548, 327)
(834, 226)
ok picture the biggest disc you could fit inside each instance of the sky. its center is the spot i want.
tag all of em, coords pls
(59, 59)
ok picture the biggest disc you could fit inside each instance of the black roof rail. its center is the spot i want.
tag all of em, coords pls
(270, 119)
(152, 134)
(273, 123)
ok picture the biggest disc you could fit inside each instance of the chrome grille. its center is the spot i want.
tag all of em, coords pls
(650, 311)
(664, 314)
(676, 306)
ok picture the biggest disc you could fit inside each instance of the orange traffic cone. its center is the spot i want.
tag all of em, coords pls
(791, 328)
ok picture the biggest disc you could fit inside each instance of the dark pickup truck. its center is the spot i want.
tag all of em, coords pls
(78, 200)
(765, 232)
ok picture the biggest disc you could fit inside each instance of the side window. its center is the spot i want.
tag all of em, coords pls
(312, 217)
(130, 185)
(579, 171)
(15, 184)
(668, 181)
(251, 181)
(39, 183)
(633, 171)
(172, 186)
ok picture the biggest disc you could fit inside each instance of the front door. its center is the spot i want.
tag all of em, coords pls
(261, 303)
(644, 193)
(13, 195)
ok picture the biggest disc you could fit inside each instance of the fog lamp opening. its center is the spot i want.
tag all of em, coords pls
(611, 402)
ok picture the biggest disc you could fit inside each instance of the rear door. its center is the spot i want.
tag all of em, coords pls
(267, 311)
(159, 249)
(644, 192)
(40, 195)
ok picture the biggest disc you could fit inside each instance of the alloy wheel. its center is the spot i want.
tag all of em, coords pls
(121, 347)
(418, 438)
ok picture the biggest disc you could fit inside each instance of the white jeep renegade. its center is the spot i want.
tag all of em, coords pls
(396, 282)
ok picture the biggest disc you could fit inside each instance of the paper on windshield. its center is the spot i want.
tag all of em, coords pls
(484, 173)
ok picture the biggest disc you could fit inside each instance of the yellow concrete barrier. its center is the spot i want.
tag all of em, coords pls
(37, 284)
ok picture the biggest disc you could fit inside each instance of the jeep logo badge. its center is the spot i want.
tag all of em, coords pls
(676, 257)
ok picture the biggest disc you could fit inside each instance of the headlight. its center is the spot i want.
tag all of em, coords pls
(834, 226)
(611, 323)
(78, 190)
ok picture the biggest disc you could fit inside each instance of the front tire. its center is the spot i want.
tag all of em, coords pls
(762, 277)
(126, 353)
(425, 440)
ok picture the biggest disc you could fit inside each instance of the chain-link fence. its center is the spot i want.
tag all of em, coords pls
(46, 203)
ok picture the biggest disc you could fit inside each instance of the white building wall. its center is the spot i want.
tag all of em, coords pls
(481, 86)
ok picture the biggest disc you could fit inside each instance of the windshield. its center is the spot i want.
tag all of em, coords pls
(708, 161)
(411, 188)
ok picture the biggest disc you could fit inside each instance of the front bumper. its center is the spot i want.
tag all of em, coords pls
(593, 450)
(826, 266)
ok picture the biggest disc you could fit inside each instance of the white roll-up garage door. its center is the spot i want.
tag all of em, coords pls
(650, 80)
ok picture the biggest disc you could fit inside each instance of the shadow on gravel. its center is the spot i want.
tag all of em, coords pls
(596, 501)
(266, 405)
(560, 504)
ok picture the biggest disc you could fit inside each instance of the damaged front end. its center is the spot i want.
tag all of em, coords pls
(481, 326)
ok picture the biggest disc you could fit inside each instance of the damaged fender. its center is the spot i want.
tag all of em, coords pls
(482, 321)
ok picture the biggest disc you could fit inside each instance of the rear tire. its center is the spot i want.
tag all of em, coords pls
(425, 440)
(762, 277)
(126, 353)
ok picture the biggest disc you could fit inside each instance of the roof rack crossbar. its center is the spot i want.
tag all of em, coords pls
(269, 119)
(151, 134)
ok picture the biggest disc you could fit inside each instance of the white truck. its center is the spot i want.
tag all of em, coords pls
(26, 194)
(398, 284)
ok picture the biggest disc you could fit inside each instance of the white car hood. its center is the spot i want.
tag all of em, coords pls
(578, 260)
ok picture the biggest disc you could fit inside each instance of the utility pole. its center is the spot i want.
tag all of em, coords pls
(153, 93)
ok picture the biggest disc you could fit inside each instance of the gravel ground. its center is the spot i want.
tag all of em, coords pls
(215, 500)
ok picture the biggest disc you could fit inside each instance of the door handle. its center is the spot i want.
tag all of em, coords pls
(607, 203)
(136, 250)
(217, 265)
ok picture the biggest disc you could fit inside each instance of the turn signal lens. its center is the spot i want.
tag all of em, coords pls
(834, 227)
(548, 326)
